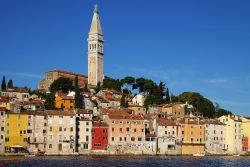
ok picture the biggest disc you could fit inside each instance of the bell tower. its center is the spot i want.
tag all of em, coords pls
(95, 51)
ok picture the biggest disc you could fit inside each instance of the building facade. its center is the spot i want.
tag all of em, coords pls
(192, 136)
(100, 137)
(215, 133)
(61, 132)
(233, 142)
(83, 135)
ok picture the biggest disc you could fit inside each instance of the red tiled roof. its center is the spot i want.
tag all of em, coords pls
(3, 108)
(129, 117)
(150, 135)
(99, 124)
(166, 122)
(67, 72)
(61, 112)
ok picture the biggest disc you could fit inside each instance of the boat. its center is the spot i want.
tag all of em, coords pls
(29, 155)
(236, 155)
(199, 155)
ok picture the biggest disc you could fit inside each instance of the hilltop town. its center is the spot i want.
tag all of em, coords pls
(76, 114)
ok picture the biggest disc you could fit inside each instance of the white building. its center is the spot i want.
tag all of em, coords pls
(168, 137)
(139, 100)
(84, 126)
(215, 133)
(61, 132)
(233, 142)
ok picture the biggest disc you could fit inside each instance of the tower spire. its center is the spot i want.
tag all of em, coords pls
(96, 25)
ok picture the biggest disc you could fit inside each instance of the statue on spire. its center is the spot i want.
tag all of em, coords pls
(96, 9)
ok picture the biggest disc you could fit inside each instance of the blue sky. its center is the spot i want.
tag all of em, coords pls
(201, 46)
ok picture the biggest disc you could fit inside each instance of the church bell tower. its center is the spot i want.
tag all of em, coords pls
(95, 51)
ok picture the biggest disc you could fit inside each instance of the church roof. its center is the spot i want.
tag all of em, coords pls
(96, 25)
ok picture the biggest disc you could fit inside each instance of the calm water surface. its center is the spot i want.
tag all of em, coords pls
(125, 161)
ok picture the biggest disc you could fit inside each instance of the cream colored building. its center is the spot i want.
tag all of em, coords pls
(37, 131)
(61, 132)
(233, 142)
(95, 51)
(83, 136)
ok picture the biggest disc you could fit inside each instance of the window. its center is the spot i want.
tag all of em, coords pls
(139, 139)
(125, 139)
(7, 139)
(24, 139)
(2, 128)
(183, 132)
(8, 124)
(127, 129)
(24, 132)
(71, 129)
(120, 129)
(87, 123)
(44, 131)
(87, 138)
(113, 129)
(113, 139)
(120, 139)
(132, 139)
(87, 129)
(93, 137)
(192, 140)
(85, 146)
(142, 130)
(50, 129)
(134, 130)
(60, 129)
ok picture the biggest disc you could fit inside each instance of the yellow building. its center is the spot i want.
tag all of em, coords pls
(16, 129)
(174, 109)
(245, 127)
(193, 136)
(233, 138)
(63, 101)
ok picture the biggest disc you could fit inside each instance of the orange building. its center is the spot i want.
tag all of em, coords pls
(192, 136)
(174, 109)
(63, 101)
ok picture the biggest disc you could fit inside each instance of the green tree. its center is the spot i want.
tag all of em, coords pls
(61, 85)
(150, 100)
(110, 83)
(167, 98)
(49, 101)
(86, 88)
(10, 84)
(123, 101)
(3, 86)
(220, 111)
(78, 100)
(128, 82)
(98, 87)
(201, 104)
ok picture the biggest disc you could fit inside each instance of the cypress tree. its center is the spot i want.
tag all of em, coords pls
(10, 84)
(167, 96)
(3, 86)
(77, 94)
(123, 101)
